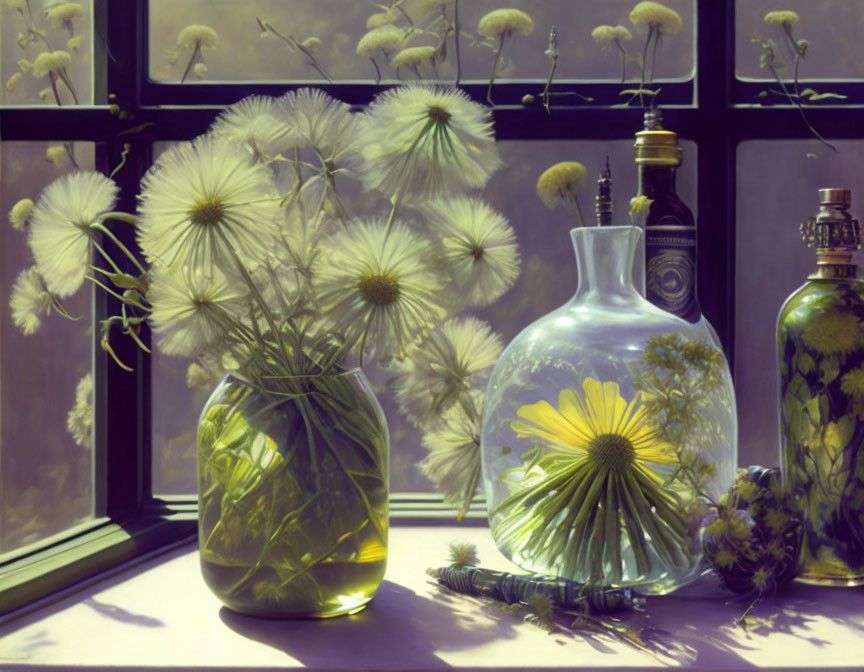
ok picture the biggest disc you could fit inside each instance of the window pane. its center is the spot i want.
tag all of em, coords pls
(833, 29)
(46, 456)
(771, 262)
(240, 53)
(64, 33)
(548, 279)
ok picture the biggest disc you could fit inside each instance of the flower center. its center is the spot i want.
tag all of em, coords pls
(438, 113)
(477, 253)
(379, 289)
(612, 451)
(207, 213)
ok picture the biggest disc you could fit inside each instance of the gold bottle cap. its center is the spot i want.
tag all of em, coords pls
(834, 234)
(656, 146)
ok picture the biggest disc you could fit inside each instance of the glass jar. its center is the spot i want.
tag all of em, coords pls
(608, 424)
(293, 495)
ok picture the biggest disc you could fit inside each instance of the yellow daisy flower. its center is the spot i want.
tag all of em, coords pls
(599, 424)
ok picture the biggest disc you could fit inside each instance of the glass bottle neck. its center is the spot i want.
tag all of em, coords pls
(656, 181)
(604, 258)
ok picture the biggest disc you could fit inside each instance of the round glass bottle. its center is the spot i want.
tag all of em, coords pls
(607, 422)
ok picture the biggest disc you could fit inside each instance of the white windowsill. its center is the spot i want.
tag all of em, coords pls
(159, 615)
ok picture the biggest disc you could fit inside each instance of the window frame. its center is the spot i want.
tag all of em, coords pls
(711, 110)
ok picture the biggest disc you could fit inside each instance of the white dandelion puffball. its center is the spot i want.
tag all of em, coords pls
(50, 61)
(453, 359)
(384, 40)
(193, 309)
(254, 121)
(505, 21)
(205, 202)
(454, 460)
(197, 34)
(29, 301)
(322, 123)
(420, 142)
(60, 227)
(657, 17)
(79, 420)
(20, 213)
(380, 288)
(479, 245)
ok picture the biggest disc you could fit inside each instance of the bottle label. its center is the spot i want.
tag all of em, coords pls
(670, 268)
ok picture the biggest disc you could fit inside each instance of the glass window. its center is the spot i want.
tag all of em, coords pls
(304, 40)
(778, 183)
(46, 389)
(832, 28)
(547, 280)
(46, 57)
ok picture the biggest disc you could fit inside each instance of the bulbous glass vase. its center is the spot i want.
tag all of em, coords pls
(608, 424)
(293, 495)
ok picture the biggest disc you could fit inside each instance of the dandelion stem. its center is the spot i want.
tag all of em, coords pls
(545, 94)
(797, 103)
(494, 69)
(125, 250)
(64, 77)
(377, 71)
(106, 288)
(623, 59)
(458, 42)
(644, 62)
(105, 255)
(70, 152)
(654, 54)
(52, 77)
(572, 198)
(195, 53)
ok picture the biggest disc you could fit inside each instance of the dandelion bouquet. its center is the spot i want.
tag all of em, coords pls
(295, 241)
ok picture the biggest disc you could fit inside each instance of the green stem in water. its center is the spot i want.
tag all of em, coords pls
(571, 197)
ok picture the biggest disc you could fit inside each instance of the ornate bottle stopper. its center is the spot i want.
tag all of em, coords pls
(603, 207)
(834, 234)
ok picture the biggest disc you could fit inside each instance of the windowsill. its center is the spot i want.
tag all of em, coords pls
(160, 615)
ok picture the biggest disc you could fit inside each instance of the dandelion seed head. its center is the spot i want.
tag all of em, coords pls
(379, 286)
(500, 22)
(783, 17)
(13, 80)
(321, 122)
(204, 201)
(58, 155)
(312, 44)
(384, 39)
(453, 359)
(197, 34)
(256, 122)
(198, 376)
(24, 65)
(479, 247)
(656, 16)
(29, 301)
(557, 181)
(421, 141)
(191, 308)
(413, 56)
(50, 61)
(60, 227)
(68, 11)
(20, 213)
(79, 421)
(603, 34)
(200, 69)
(382, 18)
(73, 42)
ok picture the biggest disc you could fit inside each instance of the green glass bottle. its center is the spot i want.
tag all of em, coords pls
(820, 346)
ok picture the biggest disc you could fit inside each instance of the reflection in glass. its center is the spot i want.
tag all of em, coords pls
(46, 388)
(46, 57)
(313, 40)
(832, 28)
(546, 282)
